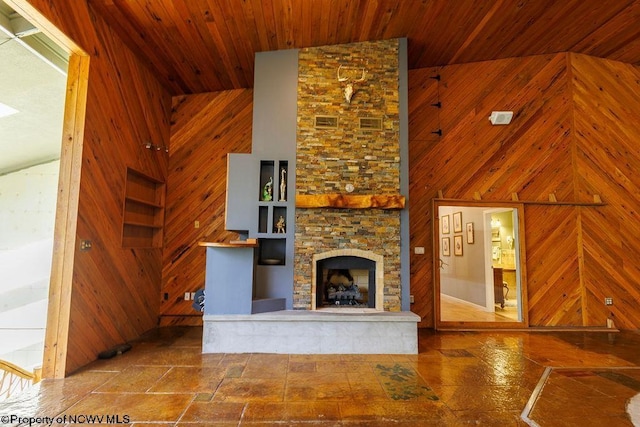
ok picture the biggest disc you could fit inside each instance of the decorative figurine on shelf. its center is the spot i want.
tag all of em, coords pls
(267, 191)
(280, 225)
(283, 185)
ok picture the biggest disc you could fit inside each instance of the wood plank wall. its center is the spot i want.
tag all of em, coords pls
(204, 128)
(114, 291)
(572, 136)
(607, 162)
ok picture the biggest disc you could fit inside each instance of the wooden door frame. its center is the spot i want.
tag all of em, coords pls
(64, 241)
(435, 232)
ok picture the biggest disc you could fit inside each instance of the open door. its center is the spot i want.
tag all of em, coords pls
(478, 262)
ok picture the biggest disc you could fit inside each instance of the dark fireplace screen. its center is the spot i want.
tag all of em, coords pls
(346, 281)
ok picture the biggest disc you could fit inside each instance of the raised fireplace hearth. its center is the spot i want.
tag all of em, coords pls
(313, 332)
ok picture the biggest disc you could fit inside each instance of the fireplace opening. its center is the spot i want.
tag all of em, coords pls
(346, 281)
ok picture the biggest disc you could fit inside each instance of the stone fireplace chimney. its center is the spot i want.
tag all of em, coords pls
(348, 159)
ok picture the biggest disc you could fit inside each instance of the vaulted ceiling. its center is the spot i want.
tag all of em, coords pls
(209, 45)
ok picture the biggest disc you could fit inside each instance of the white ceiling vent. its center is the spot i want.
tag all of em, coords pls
(501, 117)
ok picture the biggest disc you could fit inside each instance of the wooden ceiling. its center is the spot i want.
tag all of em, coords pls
(199, 46)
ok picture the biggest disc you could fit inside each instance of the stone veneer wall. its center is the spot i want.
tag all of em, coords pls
(328, 159)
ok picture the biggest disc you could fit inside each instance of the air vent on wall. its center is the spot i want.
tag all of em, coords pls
(370, 123)
(326, 122)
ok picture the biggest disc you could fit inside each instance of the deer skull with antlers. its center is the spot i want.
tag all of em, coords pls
(349, 88)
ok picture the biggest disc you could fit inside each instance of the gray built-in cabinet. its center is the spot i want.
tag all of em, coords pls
(248, 212)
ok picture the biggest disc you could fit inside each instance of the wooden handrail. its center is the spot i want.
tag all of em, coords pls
(14, 379)
(17, 370)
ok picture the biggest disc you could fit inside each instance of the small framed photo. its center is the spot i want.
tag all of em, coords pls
(457, 222)
(446, 248)
(445, 225)
(457, 245)
(470, 236)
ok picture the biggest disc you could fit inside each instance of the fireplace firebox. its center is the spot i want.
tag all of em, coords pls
(345, 281)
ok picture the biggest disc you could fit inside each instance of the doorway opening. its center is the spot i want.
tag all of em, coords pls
(70, 162)
(33, 82)
(479, 277)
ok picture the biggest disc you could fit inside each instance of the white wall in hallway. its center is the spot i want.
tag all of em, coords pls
(27, 217)
(28, 205)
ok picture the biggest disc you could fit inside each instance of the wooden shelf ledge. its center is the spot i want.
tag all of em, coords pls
(249, 243)
(350, 201)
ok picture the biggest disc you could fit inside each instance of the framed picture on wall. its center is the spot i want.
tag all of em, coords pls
(446, 248)
(470, 236)
(457, 245)
(445, 225)
(457, 222)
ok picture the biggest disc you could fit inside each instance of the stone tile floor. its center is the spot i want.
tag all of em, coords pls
(457, 379)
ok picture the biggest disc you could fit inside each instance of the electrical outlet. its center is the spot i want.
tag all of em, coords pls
(418, 250)
(187, 296)
(192, 296)
(608, 301)
(196, 224)
(411, 299)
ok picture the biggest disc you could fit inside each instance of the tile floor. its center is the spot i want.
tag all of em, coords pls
(457, 379)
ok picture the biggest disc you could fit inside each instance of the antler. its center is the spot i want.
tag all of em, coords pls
(344, 79)
(341, 79)
(349, 89)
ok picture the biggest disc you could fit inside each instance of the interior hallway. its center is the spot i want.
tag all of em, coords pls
(458, 378)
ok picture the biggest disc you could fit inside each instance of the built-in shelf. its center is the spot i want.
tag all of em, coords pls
(272, 212)
(143, 202)
(272, 205)
(267, 182)
(143, 212)
(279, 225)
(272, 251)
(142, 224)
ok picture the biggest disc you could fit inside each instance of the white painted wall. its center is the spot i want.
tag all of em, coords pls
(27, 216)
(463, 277)
(28, 205)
